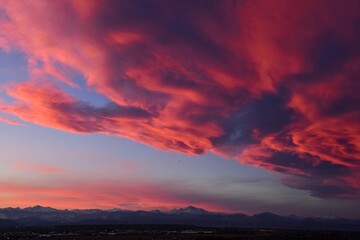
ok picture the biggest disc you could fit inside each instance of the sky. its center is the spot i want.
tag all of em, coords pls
(233, 106)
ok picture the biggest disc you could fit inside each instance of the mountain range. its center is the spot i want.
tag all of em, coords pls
(46, 216)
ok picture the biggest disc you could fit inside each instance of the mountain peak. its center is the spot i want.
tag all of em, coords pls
(39, 208)
(190, 210)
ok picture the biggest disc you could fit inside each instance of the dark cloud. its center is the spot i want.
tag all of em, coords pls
(259, 118)
(322, 189)
(308, 165)
(331, 52)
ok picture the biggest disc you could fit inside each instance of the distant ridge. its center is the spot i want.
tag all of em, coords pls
(47, 216)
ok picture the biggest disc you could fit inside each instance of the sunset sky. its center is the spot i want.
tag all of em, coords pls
(233, 106)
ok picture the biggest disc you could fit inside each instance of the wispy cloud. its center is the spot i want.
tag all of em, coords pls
(9, 121)
(25, 166)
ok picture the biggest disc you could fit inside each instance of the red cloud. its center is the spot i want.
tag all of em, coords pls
(272, 84)
(37, 167)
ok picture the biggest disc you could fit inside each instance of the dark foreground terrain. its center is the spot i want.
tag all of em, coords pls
(172, 232)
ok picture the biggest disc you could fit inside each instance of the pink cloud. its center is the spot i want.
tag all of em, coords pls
(9, 121)
(25, 166)
(267, 83)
